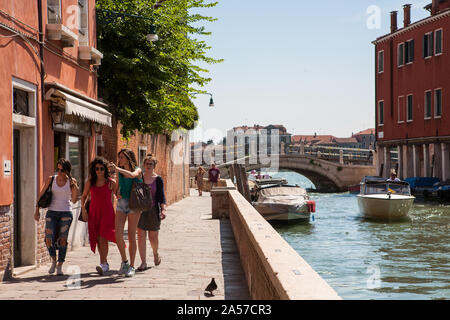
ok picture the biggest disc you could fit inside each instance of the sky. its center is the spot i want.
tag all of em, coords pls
(308, 65)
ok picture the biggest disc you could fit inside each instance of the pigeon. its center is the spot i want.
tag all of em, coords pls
(211, 287)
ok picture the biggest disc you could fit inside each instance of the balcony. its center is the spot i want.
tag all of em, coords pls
(90, 53)
(57, 31)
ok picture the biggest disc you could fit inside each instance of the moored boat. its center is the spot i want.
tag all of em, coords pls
(384, 199)
(282, 202)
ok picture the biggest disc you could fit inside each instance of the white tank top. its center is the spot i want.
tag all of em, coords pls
(60, 197)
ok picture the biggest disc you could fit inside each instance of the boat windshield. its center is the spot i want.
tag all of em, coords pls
(382, 188)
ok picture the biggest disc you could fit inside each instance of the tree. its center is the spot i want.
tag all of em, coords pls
(148, 83)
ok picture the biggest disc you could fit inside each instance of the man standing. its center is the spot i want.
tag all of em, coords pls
(214, 175)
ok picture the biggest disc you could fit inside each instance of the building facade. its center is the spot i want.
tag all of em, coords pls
(49, 106)
(412, 95)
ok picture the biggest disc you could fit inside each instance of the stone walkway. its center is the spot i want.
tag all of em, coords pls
(193, 247)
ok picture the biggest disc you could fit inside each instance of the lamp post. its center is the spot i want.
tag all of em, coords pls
(211, 101)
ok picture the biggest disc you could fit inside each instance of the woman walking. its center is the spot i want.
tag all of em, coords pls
(59, 215)
(128, 172)
(199, 179)
(101, 216)
(151, 220)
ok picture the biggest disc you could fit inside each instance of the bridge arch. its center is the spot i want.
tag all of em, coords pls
(327, 176)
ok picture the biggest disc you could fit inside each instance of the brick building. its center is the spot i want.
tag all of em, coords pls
(412, 94)
(49, 106)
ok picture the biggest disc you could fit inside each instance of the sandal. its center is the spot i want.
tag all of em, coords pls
(143, 267)
(157, 261)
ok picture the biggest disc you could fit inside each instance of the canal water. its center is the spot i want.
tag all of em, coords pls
(362, 259)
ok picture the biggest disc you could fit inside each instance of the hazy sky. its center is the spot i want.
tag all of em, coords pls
(308, 65)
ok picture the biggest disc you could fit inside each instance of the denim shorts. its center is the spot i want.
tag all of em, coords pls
(122, 206)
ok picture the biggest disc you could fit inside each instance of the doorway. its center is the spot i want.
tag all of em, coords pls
(17, 198)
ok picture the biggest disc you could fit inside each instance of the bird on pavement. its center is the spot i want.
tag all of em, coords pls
(211, 286)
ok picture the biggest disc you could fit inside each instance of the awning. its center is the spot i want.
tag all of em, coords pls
(80, 107)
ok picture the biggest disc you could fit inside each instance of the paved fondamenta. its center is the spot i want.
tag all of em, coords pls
(193, 247)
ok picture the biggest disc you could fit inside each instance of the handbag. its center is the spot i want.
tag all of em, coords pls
(46, 198)
(140, 197)
(80, 217)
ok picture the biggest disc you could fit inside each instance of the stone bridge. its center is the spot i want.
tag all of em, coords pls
(327, 176)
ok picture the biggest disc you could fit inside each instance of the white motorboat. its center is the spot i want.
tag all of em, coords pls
(383, 199)
(283, 202)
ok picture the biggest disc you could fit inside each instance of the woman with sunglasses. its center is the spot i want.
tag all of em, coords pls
(101, 216)
(151, 219)
(59, 214)
(128, 172)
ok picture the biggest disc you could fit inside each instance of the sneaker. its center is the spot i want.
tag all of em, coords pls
(59, 271)
(131, 272)
(102, 268)
(52, 268)
(124, 268)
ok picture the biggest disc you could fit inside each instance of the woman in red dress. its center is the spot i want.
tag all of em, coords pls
(101, 216)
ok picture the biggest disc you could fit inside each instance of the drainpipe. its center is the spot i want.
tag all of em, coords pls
(40, 115)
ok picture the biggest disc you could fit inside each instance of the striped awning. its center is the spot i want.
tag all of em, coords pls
(80, 107)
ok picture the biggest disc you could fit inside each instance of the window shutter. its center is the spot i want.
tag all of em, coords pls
(424, 46)
(411, 47)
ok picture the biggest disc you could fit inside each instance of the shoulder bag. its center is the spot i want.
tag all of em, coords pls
(46, 198)
(140, 196)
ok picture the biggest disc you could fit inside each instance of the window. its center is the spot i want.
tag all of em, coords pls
(401, 109)
(427, 105)
(409, 51)
(438, 42)
(83, 17)
(381, 113)
(21, 102)
(428, 45)
(401, 54)
(380, 61)
(409, 108)
(54, 11)
(437, 103)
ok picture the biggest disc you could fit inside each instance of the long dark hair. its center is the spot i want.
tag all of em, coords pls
(66, 165)
(129, 154)
(92, 172)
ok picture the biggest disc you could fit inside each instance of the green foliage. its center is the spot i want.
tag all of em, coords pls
(148, 83)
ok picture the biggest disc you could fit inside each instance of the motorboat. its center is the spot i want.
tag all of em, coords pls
(283, 202)
(384, 199)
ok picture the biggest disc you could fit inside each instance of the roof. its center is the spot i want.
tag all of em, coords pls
(367, 131)
(439, 15)
(346, 140)
(312, 138)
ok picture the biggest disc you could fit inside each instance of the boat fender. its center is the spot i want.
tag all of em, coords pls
(311, 205)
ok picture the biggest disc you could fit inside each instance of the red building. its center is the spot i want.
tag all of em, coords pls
(48, 65)
(412, 94)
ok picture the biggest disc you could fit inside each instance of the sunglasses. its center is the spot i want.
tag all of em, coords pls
(59, 170)
(99, 169)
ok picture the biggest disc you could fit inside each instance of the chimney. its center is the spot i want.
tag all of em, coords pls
(406, 15)
(393, 21)
(434, 7)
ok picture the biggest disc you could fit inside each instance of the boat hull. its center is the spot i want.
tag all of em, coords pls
(283, 212)
(384, 207)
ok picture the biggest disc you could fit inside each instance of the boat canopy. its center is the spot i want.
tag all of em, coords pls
(285, 190)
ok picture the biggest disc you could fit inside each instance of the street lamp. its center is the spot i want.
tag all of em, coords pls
(57, 114)
(152, 36)
(211, 101)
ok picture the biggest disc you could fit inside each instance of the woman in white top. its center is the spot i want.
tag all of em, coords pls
(59, 214)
